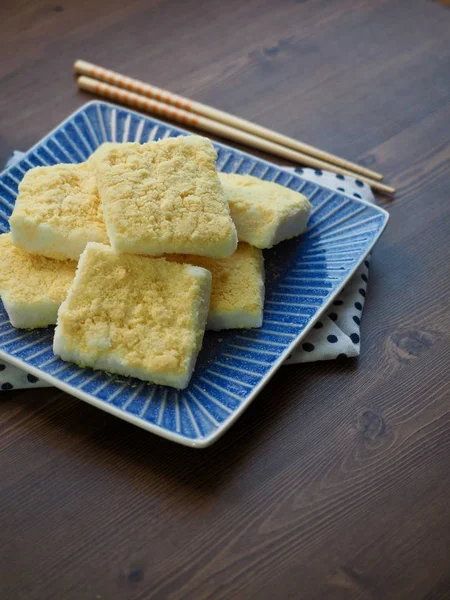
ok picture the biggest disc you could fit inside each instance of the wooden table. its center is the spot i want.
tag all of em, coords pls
(335, 484)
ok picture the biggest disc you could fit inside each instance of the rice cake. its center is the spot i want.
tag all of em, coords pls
(58, 211)
(265, 213)
(32, 287)
(134, 315)
(237, 295)
(164, 197)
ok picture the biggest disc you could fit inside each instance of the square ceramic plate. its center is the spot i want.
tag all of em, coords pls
(303, 276)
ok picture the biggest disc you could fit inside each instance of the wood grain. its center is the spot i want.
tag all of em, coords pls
(335, 483)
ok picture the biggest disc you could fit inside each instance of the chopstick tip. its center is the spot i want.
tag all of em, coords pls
(80, 65)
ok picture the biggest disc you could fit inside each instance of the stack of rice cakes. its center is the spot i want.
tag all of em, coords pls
(134, 253)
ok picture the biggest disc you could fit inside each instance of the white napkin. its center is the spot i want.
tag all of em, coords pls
(336, 335)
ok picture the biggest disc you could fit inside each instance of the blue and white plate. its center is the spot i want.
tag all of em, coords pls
(303, 276)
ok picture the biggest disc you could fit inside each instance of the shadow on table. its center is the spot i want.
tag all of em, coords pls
(142, 459)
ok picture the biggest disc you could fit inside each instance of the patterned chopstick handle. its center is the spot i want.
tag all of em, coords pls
(137, 101)
(133, 85)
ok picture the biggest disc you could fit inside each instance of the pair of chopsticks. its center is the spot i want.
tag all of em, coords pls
(149, 98)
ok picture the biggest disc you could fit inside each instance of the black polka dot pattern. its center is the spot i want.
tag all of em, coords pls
(13, 378)
(338, 337)
(328, 344)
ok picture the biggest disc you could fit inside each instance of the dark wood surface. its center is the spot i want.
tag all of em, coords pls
(335, 484)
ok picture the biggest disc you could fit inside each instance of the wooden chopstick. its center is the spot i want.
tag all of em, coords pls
(134, 85)
(193, 120)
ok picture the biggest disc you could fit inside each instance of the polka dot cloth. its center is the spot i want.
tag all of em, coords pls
(335, 336)
(12, 378)
(337, 333)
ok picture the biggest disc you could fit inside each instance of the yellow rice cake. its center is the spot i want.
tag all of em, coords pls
(58, 211)
(164, 197)
(265, 213)
(237, 295)
(32, 287)
(134, 315)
